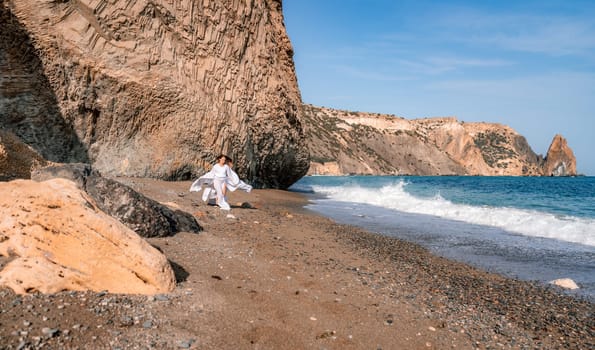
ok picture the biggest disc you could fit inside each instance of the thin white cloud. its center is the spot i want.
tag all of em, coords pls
(554, 88)
(551, 34)
(441, 64)
(467, 62)
(368, 74)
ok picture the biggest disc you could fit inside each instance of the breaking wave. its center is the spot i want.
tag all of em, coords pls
(520, 221)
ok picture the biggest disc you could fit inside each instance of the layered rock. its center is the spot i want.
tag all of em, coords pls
(343, 142)
(154, 88)
(28, 104)
(358, 143)
(560, 160)
(17, 159)
(59, 240)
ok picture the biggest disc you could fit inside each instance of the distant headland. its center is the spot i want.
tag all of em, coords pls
(344, 143)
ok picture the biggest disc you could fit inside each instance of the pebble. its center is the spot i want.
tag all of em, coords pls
(147, 324)
(327, 334)
(161, 297)
(566, 283)
(185, 344)
(126, 321)
(50, 332)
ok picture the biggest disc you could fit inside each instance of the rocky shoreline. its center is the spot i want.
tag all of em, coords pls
(272, 275)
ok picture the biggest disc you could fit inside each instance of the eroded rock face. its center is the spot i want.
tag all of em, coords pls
(344, 142)
(60, 240)
(560, 160)
(28, 104)
(17, 159)
(154, 88)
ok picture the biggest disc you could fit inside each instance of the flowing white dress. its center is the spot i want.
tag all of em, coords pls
(213, 181)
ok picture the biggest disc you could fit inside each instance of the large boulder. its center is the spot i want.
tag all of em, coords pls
(146, 217)
(59, 240)
(154, 88)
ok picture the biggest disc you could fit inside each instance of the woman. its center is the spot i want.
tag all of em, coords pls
(215, 180)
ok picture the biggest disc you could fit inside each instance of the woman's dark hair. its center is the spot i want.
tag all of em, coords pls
(221, 156)
(229, 160)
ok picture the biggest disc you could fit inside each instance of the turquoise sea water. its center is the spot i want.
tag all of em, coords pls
(532, 228)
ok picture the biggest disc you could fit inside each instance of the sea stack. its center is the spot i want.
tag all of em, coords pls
(560, 160)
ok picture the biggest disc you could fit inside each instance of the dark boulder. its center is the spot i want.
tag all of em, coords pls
(146, 217)
(75, 172)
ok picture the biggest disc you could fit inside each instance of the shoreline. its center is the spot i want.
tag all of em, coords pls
(278, 275)
(443, 237)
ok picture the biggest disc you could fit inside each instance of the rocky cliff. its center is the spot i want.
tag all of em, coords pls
(153, 88)
(560, 160)
(343, 142)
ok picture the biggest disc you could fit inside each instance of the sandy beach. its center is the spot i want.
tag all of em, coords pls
(272, 275)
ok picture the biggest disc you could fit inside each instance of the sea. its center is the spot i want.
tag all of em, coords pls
(529, 228)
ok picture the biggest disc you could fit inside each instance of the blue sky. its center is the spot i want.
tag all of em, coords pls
(526, 64)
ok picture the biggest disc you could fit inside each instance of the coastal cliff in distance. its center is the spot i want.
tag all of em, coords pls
(154, 88)
(343, 143)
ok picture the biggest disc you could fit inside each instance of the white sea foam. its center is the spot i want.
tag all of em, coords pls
(525, 222)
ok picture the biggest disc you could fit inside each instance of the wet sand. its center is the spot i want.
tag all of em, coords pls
(276, 276)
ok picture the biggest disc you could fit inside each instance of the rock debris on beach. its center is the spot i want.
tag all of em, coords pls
(346, 289)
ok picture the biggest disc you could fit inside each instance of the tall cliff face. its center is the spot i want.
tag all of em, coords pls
(154, 88)
(343, 142)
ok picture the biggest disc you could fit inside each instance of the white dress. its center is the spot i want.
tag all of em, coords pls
(214, 181)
